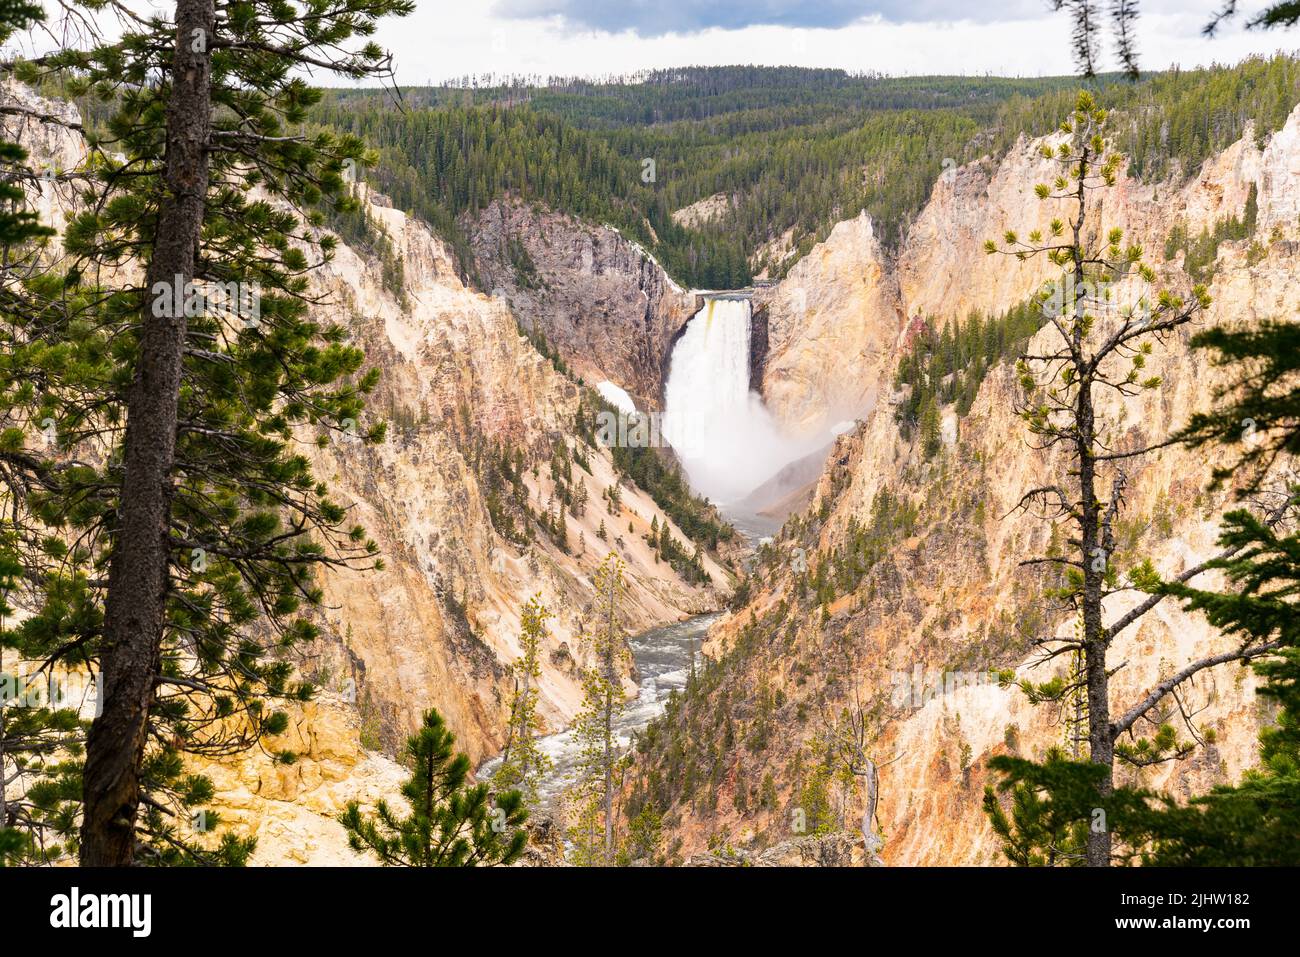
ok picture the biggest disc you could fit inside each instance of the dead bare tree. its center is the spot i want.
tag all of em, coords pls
(849, 738)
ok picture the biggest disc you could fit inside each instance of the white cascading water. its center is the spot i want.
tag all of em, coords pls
(726, 439)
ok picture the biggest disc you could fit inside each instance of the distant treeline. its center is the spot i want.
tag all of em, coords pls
(795, 150)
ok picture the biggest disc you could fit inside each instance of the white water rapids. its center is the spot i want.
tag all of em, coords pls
(663, 658)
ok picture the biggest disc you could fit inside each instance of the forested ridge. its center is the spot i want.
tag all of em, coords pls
(794, 150)
(167, 366)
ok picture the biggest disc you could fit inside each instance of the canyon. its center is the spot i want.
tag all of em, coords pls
(796, 366)
(439, 626)
(950, 598)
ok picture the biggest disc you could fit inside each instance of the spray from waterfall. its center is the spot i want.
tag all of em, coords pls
(727, 440)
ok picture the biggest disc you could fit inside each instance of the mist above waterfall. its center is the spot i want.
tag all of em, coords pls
(727, 440)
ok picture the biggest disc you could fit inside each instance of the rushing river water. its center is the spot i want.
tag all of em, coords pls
(753, 527)
(663, 661)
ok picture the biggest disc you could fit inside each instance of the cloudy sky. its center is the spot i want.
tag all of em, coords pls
(446, 39)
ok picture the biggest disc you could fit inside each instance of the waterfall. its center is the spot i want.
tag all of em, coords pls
(727, 440)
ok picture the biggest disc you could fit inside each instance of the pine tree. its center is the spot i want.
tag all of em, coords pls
(18, 224)
(450, 824)
(1051, 807)
(31, 732)
(1096, 346)
(523, 763)
(41, 733)
(579, 508)
(1259, 414)
(1255, 822)
(644, 838)
(847, 740)
(931, 432)
(38, 740)
(592, 794)
(198, 537)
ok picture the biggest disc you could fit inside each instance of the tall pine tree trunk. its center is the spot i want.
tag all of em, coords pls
(138, 573)
(609, 717)
(510, 725)
(871, 842)
(1100, 745)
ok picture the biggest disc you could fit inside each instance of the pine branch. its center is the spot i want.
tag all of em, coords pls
(1170, 683)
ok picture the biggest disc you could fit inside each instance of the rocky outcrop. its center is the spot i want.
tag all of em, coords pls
(292, 808)
(943, 271)
(545, 846)
(833, 326)
(599, 298)
(948, 600)
(840, 849)
(703, 211)
(839, 319)
(439, 625)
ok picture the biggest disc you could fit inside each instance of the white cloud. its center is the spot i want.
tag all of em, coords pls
(446, 39)
(658, 17)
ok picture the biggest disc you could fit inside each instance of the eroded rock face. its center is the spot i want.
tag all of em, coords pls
(53, 148)
(292, 809)
(839, 319)
(944, 272)
(840, 849)
(833, 326)
(599, 299)
(952, 599)
(438, 626)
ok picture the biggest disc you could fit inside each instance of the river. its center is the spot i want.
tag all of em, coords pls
(663, 658)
